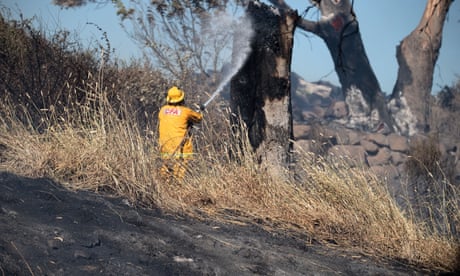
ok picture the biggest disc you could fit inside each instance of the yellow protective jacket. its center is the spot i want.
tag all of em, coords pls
(173, 123)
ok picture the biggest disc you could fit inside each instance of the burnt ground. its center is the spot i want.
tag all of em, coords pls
(48, 230)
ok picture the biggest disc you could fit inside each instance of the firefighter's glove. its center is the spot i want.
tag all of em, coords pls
(200, 108)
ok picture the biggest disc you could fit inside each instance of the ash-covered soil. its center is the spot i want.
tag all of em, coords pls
(48, 230)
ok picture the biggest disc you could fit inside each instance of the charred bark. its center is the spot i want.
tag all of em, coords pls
(339, 29)
(417, 55)
(260, 92)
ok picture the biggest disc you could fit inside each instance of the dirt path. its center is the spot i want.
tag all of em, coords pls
(47, 230)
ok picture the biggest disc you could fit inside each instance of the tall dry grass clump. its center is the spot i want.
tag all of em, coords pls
(97, 148)
(91, 146)
(434, 199)
(334, 203)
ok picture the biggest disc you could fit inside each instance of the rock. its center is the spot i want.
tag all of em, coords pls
(378, 138)
(398, 143)
(387, 173)
(301, 131)
(54, 243)
(81, 254)
(354, 137)
(328, 133)
(319, 111)
(309, 115)
(345, 136)
(417, 139)
(370, 147)
(338, 110)
(382, 158)
(92, 243)
(398, 158)
(354, 155)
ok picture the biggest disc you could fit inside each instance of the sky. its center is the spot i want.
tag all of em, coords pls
(383, 25)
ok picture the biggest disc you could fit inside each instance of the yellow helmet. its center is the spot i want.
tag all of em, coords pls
(175, 95)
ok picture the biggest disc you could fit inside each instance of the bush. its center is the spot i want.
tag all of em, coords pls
(38, 72)
(446, 110)
(48, 76)
(434, 200)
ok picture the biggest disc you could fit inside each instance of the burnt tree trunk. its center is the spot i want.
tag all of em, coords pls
(417, 55)
(339, 29)
(260, 92)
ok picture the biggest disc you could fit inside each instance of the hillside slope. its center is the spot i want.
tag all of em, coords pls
(48, 230)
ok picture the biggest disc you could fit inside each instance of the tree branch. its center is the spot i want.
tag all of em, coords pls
(280, 4)
(309, 26)
(306, 25)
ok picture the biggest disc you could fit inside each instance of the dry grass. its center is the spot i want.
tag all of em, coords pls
(96, 148)
(84, 142)
(91, 147)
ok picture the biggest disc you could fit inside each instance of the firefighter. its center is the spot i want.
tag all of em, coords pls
(175, 121)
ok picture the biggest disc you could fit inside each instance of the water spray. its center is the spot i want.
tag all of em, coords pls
(213, 95)
(219, 88)
(241, 49)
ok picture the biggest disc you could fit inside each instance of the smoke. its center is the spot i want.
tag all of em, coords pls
(242, 32)
(405, 120)
(360, 115)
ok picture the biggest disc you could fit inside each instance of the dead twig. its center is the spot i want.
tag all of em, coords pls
(22, 257)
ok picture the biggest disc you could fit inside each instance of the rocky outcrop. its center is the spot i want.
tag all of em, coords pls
(414, 167)
(383, 154)
(322, 126)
